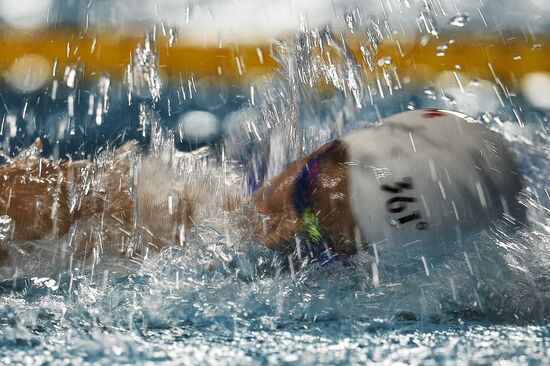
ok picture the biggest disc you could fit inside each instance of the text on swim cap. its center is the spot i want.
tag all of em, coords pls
(399, 203)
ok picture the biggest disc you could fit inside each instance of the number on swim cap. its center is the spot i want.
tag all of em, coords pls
(398, 204)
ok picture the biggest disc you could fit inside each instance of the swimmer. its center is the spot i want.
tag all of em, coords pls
(419, 182)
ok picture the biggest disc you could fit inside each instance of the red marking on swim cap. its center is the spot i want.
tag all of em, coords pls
(432, 113)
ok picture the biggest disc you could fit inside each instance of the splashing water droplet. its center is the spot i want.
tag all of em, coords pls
(6, 225)
(442, 48)
(427, 22)
(385, 61)
(459, 20)
(143, 75)
(71, 76)
(430, 93)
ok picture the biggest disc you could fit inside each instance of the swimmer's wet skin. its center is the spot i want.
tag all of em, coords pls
(414, 185)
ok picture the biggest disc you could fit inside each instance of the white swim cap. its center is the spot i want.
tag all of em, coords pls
(423, 181)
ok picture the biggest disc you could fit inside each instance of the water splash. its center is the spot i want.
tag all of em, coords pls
(427, 21)
(6, 227)
(143, 75)
(215, 286)
(459, 20)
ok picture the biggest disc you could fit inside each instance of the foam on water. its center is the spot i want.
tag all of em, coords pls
(223, 299)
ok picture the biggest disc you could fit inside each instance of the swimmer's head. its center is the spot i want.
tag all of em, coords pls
(424, 182)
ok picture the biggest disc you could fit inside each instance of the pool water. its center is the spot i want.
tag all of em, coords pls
(223, 299)
(221, 305)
